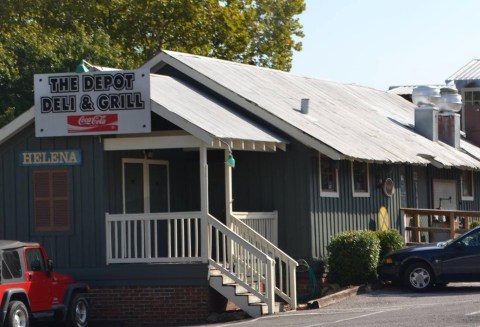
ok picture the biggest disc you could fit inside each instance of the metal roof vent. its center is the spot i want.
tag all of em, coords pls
(425, 96)
(450, 100)
(304, 106)
(426, 113)
(446, 99)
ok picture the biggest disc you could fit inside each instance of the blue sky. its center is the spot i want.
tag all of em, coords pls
(380, 43)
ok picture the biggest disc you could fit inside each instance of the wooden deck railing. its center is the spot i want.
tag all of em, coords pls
(432, 225)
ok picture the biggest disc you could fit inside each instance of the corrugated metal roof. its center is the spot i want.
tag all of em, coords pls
(194, 109)
(358, 122)
(470, 71)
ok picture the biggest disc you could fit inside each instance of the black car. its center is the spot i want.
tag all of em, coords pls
(421, 267)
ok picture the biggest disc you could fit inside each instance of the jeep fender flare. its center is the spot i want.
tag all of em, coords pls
(6, 301)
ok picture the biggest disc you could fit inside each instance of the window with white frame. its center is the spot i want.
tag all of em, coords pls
(360, 184)
(328, 177)
(466, 182)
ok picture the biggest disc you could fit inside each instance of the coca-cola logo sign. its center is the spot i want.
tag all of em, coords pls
(92, 123)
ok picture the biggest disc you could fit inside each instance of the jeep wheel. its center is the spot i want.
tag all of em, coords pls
(17, 314)
(78, 312)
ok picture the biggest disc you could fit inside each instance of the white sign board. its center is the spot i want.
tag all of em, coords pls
(92, 103)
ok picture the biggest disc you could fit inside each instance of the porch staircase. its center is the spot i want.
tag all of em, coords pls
(246, 268)
(249, 303)
(249, 270)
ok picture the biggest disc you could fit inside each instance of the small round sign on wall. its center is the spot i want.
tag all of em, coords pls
(388, 187)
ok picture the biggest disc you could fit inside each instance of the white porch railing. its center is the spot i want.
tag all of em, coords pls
(265, 223)
(156, 237)
(237, 251)
(241, 261)
(286, 286)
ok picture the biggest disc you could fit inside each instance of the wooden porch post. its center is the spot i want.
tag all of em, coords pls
(452, 224)
(204, 202)
(228, 205)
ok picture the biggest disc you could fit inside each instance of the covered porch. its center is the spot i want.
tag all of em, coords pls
(149, 222)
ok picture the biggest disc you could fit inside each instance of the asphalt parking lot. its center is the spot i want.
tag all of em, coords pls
(457, 304)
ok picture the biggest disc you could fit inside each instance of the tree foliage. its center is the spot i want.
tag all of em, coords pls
(53, 36)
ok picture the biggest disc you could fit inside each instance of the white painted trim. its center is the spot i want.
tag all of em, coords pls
(360, 194)
(327, 194)
(283, 125)
(151, 142)
(247, 145)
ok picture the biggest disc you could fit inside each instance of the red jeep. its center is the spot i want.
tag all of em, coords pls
(31, 290)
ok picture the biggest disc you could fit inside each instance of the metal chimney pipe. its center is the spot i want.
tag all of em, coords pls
(304, 106)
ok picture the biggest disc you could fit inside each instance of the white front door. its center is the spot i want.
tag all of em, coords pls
(145, 186)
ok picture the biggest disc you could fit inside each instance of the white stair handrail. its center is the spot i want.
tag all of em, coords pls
(249, 266)
(286, 286)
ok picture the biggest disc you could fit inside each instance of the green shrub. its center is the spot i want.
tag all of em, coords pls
(474, 224)
(353, 257)
(389, 240)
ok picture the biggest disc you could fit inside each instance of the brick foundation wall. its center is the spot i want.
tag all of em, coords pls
(143, 306)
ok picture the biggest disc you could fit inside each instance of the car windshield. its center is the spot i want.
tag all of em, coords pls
(470, 239)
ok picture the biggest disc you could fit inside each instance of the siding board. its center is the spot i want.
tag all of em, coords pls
(336, 215)
(70, 249)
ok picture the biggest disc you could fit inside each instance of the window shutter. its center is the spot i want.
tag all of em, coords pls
(42, 214)
(51, 200)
